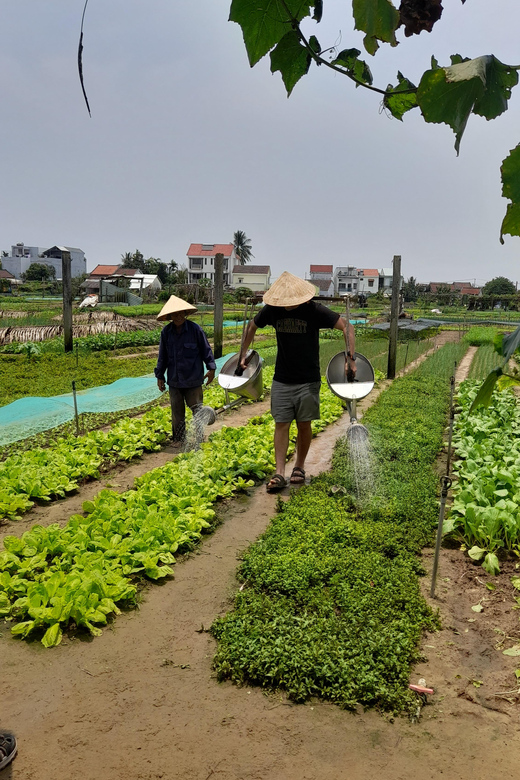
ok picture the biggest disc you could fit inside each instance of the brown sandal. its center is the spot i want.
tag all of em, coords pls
(297, 476)
(276, 483)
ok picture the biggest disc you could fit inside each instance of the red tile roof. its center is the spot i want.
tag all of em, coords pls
(126, 271)
(370, 272)
(462, 287)
(5, 274)
(321, 269)
(251, 269)
(196, 250)
(104, 270)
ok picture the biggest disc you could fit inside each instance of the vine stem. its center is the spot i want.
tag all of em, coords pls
(320, 61)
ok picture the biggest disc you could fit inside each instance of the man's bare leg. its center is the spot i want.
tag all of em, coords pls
(303, 442)
(281, 445)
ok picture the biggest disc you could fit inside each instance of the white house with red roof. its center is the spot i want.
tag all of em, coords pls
(322, 277)
(201, 262)
(368, 280)
(321, 272)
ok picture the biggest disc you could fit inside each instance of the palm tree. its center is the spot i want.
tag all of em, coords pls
(243, 248)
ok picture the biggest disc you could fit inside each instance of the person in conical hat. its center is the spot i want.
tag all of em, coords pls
(183, 351)
(295, 393)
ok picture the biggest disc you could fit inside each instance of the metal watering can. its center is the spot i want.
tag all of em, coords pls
(351, 389)
(245, 383)
(350, 392)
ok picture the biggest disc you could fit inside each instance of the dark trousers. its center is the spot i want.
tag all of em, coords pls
(180, 397)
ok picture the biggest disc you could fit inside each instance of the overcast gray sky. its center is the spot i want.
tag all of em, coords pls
(187, 143)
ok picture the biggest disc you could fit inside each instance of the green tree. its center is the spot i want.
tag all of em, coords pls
(410, 291)
(181, 275)
(499, 286)
(154, 265)
(447, 94)
(133, 260)
(243, 247)
(38, 272)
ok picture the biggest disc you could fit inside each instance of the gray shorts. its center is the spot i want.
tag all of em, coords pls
(295, 402)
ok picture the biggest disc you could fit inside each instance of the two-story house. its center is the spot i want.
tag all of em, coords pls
(368, 280)
(346, 280)
(322, 277)
(201, 262)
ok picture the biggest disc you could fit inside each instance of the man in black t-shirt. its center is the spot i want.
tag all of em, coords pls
(297, 321)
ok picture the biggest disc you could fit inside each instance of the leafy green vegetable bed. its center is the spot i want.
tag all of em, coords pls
(47, 473)
(332, 606)
(485, 514)
(54, 577)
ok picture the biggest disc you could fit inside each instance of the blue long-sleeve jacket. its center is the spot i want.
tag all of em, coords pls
(182, 355)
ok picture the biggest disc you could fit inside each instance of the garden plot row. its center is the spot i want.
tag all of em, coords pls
(485, 513)
(49, 473)
(52, 578)
(331, 604)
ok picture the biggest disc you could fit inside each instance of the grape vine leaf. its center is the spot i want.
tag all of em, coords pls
(292, 59)
(348, 59)
(510, 170)
(379, 19)
(265, 22)
(482, 86)
(399, 99)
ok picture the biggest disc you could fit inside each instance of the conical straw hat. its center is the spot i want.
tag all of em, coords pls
(289, 290)
(173, 305)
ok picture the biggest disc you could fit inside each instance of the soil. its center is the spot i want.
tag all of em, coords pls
(141, 701)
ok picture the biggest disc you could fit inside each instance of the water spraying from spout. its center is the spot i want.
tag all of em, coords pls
(360, 457)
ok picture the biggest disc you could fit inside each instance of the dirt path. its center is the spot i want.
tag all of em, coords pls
(140, 702)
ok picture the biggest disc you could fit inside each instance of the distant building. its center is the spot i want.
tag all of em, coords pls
(322, 277)
(351, 280)
(255, 277)
(325, 287)
(22, 257)
(346, 280)
(7, 281)
(321, 272)
(464, 288)
(368, 280)
(201, 262)
(135, 280)
(102, 271)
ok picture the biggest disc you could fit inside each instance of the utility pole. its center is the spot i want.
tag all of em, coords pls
(67, 300)
(218, 307)
(394, 315)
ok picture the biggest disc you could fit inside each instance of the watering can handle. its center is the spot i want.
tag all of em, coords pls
(247, 316)
(347, 352)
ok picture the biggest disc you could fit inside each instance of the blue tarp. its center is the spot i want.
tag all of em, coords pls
(28, 416)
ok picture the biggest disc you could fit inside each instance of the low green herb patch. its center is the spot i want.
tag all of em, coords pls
(479, 335)
(332, 605)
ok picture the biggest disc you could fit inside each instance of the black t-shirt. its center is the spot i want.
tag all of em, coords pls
(297, 337)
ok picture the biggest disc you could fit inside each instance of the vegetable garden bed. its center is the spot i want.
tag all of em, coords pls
(331, 605)
(76, 575)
